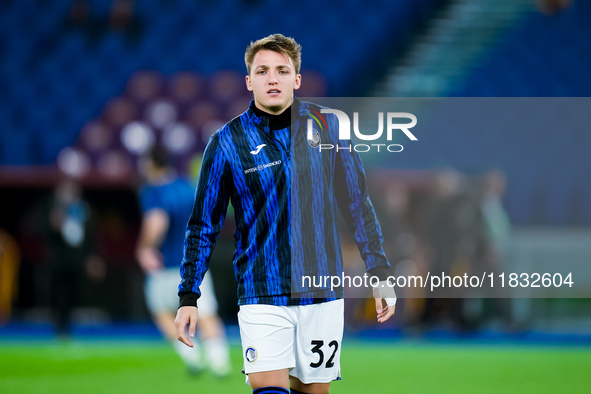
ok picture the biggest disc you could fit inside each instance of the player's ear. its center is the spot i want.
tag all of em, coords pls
(298, 82)
(248, 83)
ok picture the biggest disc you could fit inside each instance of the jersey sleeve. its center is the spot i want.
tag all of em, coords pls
(205, 222)
(356, 207)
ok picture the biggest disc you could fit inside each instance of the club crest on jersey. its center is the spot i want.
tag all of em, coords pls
(313, 135)
(251, 354)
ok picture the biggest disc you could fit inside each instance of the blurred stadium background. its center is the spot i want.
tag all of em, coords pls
(87, 87)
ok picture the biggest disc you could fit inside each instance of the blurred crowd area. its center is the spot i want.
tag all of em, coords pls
(63, 62)
(88, 87)
(440, 221)
(72, 249)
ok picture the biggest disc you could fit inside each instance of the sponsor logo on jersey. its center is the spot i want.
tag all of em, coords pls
(262, 166)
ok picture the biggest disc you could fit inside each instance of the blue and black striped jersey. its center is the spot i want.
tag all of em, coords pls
(286, 196)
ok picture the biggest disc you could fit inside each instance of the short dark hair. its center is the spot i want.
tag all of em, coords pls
(277, 43)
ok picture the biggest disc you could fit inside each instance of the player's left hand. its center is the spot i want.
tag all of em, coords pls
(384, 311)
(385, 298)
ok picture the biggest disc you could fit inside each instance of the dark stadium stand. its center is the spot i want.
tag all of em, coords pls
(87, 86)
(546, 56)
(59, 72)
(56, 74)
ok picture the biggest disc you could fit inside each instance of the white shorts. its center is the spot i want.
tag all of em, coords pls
(305, 339)
(161, 290)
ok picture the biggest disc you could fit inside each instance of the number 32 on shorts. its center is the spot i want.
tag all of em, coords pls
(317, 346)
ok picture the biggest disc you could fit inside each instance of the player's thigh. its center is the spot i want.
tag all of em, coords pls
(267, 333)
(318, 342)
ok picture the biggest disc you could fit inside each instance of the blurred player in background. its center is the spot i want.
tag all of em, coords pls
(166, 202)
(66, 219)
(290, 341)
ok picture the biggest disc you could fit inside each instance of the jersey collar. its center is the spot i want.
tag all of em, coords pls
(274, 122)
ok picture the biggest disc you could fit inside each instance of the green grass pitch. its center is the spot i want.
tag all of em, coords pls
(374, 367)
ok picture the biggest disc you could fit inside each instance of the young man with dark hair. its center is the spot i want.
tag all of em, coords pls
(291, 335)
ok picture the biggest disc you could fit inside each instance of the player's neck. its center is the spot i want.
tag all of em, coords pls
(276, 122)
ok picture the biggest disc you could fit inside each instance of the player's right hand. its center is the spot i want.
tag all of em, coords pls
(186, 315)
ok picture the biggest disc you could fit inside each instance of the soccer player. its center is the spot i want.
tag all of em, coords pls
(166, 201)
(291, 336)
